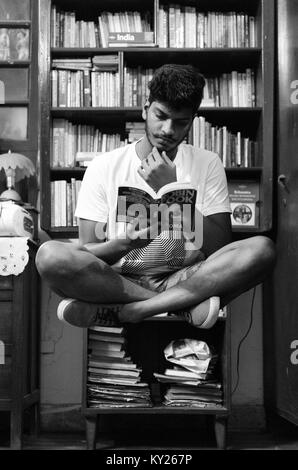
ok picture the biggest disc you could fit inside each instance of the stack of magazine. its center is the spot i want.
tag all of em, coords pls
(191, 381)
(113, 379)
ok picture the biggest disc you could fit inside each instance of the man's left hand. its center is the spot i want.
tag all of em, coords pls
(157, 170)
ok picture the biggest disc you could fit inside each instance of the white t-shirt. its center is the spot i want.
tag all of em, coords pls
(97, 201)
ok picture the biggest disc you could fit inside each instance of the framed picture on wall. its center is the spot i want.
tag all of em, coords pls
(14, 10)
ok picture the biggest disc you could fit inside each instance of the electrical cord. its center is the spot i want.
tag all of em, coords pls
(242, 339)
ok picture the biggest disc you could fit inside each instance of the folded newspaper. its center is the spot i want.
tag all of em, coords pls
(194, 355)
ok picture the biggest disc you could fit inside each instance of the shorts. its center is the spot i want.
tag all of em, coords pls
(161, 282)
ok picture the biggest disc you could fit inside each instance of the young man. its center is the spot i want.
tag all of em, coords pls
(117, 274)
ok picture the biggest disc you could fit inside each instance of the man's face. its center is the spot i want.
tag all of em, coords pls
(166, 127)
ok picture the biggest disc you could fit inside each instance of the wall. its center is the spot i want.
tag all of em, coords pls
(61, 364)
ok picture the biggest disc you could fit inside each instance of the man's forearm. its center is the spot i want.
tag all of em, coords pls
(110, 251)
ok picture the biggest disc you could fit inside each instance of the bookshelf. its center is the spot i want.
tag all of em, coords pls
(239, 62)
(145, 343)
(216, 55)
(19, 84)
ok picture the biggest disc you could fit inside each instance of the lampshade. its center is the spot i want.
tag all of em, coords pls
(16, 167)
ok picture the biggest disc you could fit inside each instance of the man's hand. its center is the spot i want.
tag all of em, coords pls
(136, 237)
(157, 170)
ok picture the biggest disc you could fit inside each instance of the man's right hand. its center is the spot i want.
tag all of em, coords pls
(136, 237)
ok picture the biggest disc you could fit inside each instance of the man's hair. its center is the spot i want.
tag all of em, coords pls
(178, 86)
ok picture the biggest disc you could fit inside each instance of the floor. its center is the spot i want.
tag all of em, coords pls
(281, 436)
(237, 440)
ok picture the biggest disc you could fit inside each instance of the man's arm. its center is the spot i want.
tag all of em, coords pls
(217, 232)
(92, 238)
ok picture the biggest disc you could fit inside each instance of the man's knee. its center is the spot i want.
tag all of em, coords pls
(52, 259)
(263, 251)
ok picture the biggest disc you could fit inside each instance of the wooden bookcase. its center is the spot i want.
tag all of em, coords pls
(256, 122)
(19, 87)
(145, 343)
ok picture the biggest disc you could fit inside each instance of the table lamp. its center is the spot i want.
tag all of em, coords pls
(16, 167)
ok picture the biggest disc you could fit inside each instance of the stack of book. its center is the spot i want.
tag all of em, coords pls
(114, 379)
(192, 380)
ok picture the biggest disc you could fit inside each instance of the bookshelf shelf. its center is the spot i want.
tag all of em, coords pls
(11, 103)
(14, 63)
(159, 409)
(15, 24)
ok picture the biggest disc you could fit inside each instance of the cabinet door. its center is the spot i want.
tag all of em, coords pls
(282, 316)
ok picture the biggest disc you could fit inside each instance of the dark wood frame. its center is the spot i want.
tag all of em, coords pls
(21, 389)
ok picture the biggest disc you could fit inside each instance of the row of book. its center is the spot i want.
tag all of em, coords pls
(69, 139)
(235, 89)
(185, 26)
(135, 87)
(84, 88)
(68, 31)
(97, 88)
(235, 150)
(77, 144)
(113, 378)
(64, 196)
(102, 62)
(178, 27)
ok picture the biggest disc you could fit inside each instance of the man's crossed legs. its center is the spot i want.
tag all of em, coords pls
(74, 273)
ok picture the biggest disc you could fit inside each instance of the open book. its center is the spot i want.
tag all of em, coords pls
(172, 207)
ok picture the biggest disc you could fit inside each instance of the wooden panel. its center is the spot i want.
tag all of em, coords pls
(281, 300)
(5, 322)
(5, 378)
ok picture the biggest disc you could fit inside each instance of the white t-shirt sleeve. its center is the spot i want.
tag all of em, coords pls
(216, 195)
(92, 199)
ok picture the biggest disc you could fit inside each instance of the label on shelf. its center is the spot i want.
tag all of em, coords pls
(244, 201)
(131, 39)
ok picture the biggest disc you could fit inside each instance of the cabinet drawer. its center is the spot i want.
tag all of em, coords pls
(6, 322)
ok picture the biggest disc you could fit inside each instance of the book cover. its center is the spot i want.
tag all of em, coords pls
(172, 207)
(108, 329)
(244, 201)
(110, 345)
(106, 362)
(109, 338)
(106, 353)
(93, 367)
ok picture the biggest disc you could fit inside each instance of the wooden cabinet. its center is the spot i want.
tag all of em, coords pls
(19, 336)
(146, 342)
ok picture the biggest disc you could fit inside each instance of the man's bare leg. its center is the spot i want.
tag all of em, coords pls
(227, 273)
(74, 272)
(235, 268)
